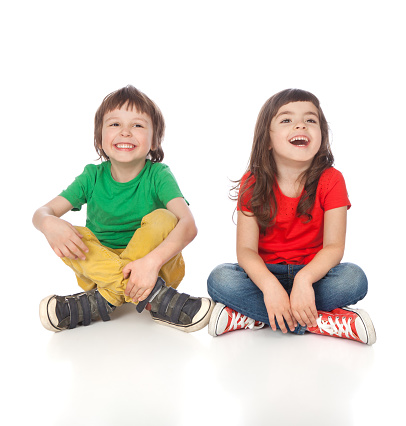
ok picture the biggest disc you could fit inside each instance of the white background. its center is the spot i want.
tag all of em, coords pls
(210, 66)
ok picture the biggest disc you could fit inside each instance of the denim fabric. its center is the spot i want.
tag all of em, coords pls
(229, 284)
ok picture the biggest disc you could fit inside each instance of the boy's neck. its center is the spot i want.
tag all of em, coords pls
(125, 172)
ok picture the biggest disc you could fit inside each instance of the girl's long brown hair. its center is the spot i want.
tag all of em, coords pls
(262, 166)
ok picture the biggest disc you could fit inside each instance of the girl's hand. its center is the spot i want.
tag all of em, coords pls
(64, 238)
(302, 302)
(142, 275)
(278, 306)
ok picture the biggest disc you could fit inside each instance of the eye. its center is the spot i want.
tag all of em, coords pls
(137, 125)
(114, 125)
(311, 120)
(286, 120)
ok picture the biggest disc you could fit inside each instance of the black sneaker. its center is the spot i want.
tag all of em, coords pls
(66, 312)
(177, 310)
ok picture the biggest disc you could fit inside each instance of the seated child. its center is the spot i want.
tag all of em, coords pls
(137, 224)
(292, 213)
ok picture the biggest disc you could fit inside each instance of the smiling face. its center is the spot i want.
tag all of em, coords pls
(127, 137)
(295, 134)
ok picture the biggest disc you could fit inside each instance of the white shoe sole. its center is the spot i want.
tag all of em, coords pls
(369, 326)
(214, 319)
(47, 314)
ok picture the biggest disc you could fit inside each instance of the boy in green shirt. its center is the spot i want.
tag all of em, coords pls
(137, 224)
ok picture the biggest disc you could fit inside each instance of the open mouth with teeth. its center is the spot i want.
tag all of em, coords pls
(299, 141)
(125, 146)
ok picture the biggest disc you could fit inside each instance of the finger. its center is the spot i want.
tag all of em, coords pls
(129, 288)
(290, 321)
(76, 232)
(272, 321)
(144, 295)
(126, 270)
(315, 314)
(312, 317)
(295, 323)
(79, 243)
(137, 296)
(67, 253)
(58, 252)
(305, 317)
(82, 246)
(281, 324)
(136, 291)
(74, 249)
(299, 318)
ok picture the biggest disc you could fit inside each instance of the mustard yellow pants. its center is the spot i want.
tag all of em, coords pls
(103, 266)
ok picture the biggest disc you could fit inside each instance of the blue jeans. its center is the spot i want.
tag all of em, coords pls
(229, 284)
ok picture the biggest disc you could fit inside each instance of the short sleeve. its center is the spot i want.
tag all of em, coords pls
(166, 185)
(333, 190)
(245, 192)
(79, 191)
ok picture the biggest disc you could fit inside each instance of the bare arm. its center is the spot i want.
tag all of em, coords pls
(143, 273)
(64, 239)
(302, 296)
(275, 297)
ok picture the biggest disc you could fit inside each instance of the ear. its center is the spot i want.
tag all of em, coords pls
(154, 143)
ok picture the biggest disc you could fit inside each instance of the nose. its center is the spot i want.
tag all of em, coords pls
(126, 131)
(300, 125)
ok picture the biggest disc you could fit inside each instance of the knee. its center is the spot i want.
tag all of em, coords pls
(160, 217)
(222, 278)
(215, 276)
(354, 275)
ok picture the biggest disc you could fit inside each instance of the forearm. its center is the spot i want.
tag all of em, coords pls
(40, 217)
(54, 209)
(256, 269)
(325, 259)
(330, 255)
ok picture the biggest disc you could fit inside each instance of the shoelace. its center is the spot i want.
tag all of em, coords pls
(336, 328)
(242, 321)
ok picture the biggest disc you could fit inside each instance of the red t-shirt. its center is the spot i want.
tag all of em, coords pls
(290, 240)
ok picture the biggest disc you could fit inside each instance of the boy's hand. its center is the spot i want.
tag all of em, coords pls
(303, 303)
(142, 275)
(278, 306)
(64, 239)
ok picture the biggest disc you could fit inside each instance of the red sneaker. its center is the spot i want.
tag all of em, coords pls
(224, 319)
(353, 324)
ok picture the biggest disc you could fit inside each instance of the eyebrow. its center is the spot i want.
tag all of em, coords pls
(117, 118)
(291, 112)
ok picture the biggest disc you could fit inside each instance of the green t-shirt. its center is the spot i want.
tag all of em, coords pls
(114, 209)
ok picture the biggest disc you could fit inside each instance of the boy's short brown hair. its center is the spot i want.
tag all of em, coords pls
(134, 99)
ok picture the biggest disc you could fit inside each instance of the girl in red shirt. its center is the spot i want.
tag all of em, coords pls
(292, 210)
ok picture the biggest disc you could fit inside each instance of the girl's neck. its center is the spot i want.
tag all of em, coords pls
(289, 180)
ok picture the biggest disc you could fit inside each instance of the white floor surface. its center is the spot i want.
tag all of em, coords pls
(133, 371)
